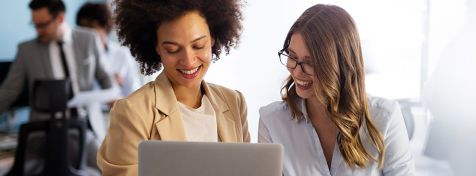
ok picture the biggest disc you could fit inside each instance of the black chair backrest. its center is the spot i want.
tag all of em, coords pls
(51, 96)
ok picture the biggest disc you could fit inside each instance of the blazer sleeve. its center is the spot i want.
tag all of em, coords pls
(118, 154)
(13, 83)
(244, 115)
(398, 158)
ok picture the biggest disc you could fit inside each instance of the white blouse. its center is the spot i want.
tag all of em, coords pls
(303, 154)
(200, 124)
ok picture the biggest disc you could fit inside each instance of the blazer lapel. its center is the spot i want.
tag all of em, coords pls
(170, 126)
(225, 123)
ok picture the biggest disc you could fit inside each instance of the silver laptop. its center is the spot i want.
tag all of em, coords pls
(172, 158)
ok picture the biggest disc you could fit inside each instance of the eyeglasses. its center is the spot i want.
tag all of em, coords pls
(292, 63)
(42, 25)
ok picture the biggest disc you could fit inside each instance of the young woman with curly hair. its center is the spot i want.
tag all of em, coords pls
(326, 122)
(181, 36)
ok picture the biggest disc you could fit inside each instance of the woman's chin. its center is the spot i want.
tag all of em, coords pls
(304, 94)
(192, 84)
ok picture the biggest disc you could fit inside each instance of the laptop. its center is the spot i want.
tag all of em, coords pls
(173, 158)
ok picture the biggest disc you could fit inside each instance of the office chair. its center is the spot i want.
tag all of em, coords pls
(405, 107)
(51, 96)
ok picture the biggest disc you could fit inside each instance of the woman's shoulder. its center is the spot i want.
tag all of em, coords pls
(219, 88)
(224, 92)
(381, 103)
(382, 110)
(277, 107)
(143, 95)
(136, 105)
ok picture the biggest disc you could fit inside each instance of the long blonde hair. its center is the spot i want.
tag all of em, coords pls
(333, 41)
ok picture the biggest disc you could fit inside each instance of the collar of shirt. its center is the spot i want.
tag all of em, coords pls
(112, 47)
(301, 103)
(67, 35)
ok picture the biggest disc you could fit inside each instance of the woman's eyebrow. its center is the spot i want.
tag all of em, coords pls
(169, 42)
(305, 57)
(290, 50)
(174, 43)
(199, 38)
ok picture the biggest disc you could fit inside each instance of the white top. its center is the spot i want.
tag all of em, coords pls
(303, 154)
(119, 60)
(55, 58)
(200, 124)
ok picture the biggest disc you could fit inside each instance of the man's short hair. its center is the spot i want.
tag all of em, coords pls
(54, 6)
(95, 11)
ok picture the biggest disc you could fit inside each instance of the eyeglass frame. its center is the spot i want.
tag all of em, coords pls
(282, 52)
(43, 25)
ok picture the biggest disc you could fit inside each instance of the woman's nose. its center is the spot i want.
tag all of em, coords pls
(189, 58)
(297, 71)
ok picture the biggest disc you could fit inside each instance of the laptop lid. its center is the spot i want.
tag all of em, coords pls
(173, 158)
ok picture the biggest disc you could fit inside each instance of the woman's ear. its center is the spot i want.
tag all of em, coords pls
(157, 47)
(213, 41)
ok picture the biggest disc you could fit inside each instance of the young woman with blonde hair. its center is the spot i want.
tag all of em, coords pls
(326, 122)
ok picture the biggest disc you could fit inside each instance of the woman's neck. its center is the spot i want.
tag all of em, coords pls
(316, 111)
(189, 96)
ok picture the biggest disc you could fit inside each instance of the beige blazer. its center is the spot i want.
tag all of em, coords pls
(152, 113)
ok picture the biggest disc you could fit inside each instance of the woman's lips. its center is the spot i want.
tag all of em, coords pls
(303, 85)
(190, 73)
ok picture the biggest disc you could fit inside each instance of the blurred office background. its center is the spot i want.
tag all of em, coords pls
(402, 41)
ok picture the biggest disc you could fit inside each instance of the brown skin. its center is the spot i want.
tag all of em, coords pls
(185, 43)
(325, 128)
(53, 30)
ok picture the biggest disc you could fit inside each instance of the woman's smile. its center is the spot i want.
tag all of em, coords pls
(190, 73)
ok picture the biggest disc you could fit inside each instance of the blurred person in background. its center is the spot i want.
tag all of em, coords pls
(117, 60)
(182, 36)
(450, 94)
(326, 122)
(58, 52)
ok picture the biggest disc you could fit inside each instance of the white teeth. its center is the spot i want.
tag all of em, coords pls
(190, 71)
(303, 83)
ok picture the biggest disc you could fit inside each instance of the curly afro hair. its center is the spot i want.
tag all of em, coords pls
(137, 22)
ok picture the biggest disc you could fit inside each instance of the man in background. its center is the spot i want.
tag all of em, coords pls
(118, 60)
(58, 52)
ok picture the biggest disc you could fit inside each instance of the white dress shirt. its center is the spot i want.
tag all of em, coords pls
(303, 153)
(55, 58)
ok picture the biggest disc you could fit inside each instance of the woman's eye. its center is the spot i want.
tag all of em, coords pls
(172, 52)
(200, 47)
(294, 58)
